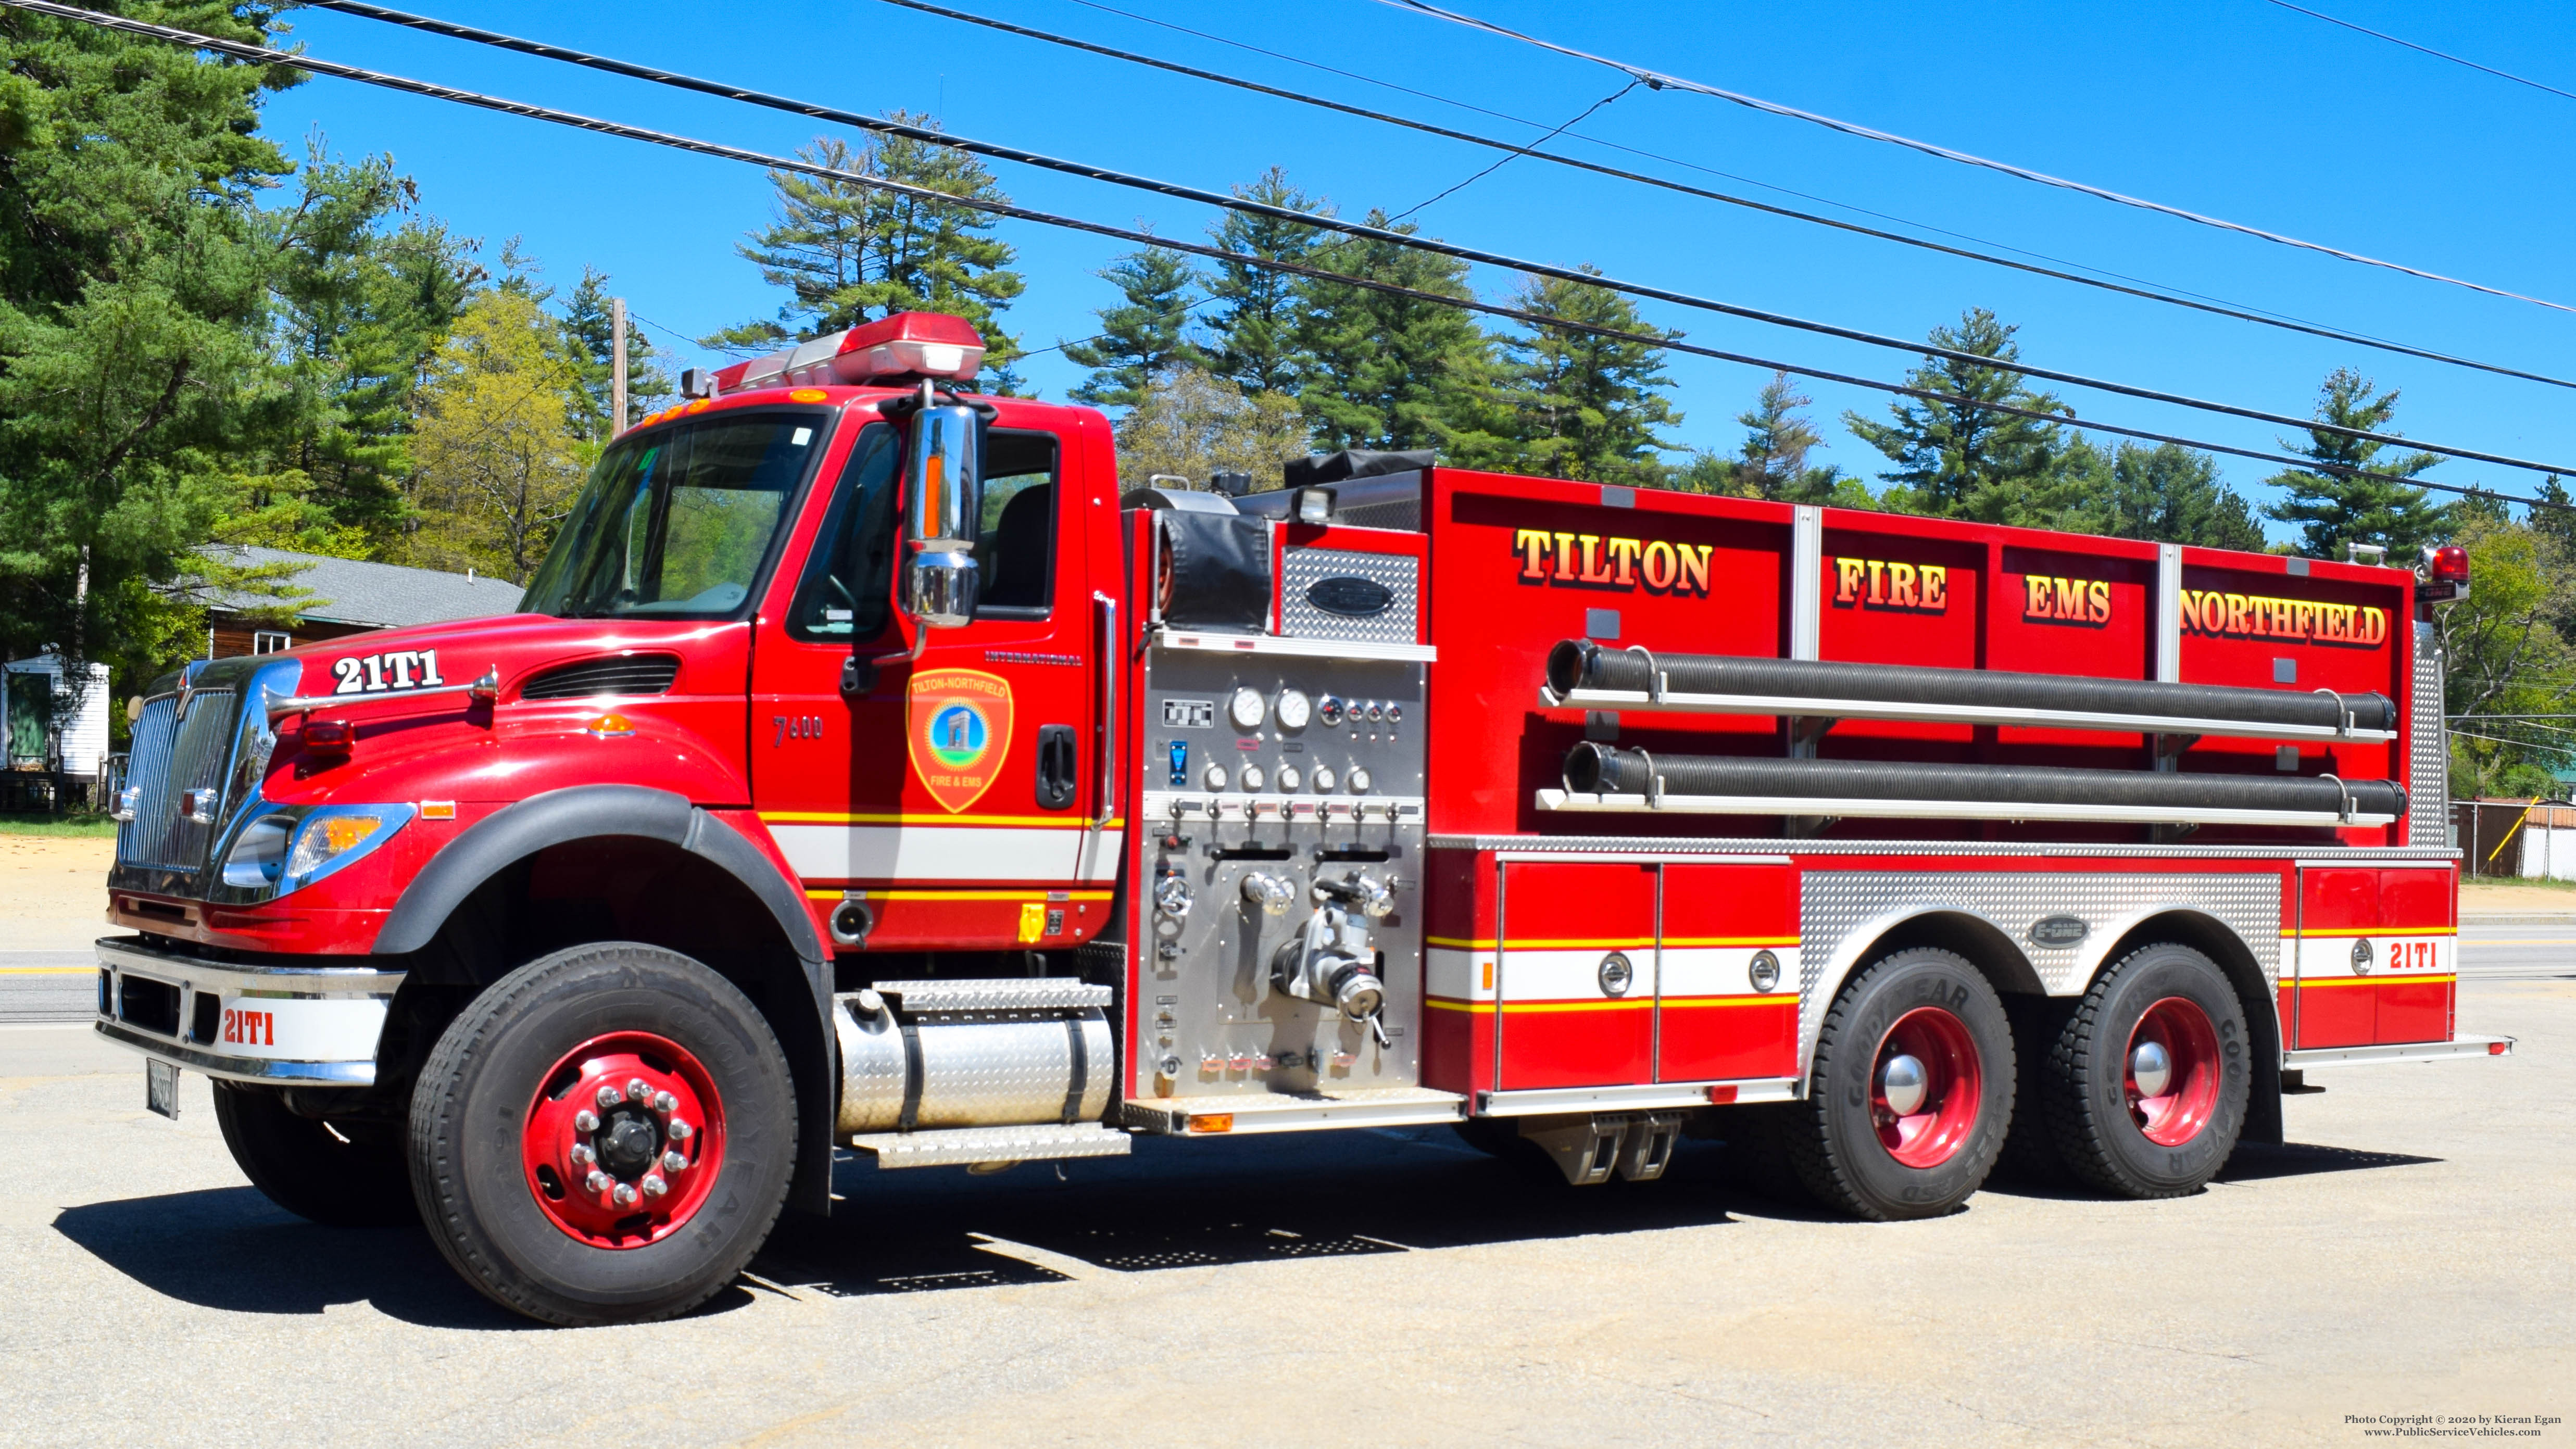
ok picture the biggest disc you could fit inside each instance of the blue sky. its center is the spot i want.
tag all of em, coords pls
(2235, 108)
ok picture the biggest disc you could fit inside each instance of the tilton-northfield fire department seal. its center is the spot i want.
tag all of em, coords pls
(958, 733)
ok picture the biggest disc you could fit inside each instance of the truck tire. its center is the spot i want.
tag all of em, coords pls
(586, 1109)
(1910, 1093)
(351, 1178)
(2144, 1089)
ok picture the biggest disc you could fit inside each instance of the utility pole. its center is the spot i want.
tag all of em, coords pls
(616, 366)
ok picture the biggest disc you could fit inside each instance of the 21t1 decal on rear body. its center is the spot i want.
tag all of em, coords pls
(393, 669)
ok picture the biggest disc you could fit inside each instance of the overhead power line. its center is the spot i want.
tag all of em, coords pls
(1663, 81)
(2288, 324)
(263, 55)
(1411, 241)
(2427, 50)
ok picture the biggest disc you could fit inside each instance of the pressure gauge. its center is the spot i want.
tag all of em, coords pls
(1215, 777)
(1289, 779)
(1359, 780)
(1247, 709)
(1330, 711)
(1252, 777)
(1293, 709)
(1324, 778)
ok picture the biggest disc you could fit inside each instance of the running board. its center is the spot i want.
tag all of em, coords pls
(2412, 1051)
(1295, 1111)
(966, 1146)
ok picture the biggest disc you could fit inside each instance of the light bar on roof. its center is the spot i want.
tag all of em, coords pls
(905, 345)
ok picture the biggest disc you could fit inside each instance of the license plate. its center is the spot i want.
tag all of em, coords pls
(161, 1087)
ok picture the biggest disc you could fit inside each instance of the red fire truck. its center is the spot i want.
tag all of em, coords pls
(866, 770)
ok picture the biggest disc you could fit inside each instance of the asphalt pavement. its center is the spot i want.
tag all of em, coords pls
(2406, 1256)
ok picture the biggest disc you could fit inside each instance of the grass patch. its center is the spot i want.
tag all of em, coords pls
(2540, 883)
(75, 826)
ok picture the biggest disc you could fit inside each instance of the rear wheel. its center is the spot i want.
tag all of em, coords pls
(604, 1136)
(1910, 1093)
(348, 1175)
(2144, 1089)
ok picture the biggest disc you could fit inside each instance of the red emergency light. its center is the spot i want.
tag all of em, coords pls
(2443, 575)
(894, 349)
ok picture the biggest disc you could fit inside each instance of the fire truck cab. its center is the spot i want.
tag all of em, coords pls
(869, 769)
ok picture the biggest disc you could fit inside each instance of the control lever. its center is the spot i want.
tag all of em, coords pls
(1369, 897)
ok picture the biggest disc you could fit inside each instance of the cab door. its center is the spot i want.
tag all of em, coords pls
(950, 795)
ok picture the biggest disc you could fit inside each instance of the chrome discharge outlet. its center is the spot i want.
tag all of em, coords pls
(1333, 961)
(1014, 1051)
(1269, 893)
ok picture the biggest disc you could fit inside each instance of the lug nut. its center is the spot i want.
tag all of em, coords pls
(680, 1130)
(655, 1186)
(585, 1120)
(625, 1194)
(665, 1102)
(608, 1097)
(673, 1162)
(597, 1181)
(636, 1091)
(582, 1156)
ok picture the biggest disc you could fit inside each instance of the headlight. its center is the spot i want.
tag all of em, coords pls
(289, 848)
(332, 837)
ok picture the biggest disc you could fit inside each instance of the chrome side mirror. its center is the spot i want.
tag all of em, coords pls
(943, 501)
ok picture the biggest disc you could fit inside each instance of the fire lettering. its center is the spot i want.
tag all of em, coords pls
(2066, 601)
(1603, 561)
(2258, 616)
(1872, 583)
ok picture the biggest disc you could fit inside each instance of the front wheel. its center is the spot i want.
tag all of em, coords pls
(604, 1136)
(1910, 1093)
(2144, 1088)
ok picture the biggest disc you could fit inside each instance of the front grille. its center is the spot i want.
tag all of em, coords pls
(622, 674)
(199, 749)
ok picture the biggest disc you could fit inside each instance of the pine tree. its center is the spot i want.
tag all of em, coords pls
(1589, 405)
(2330, 505)
(2172, 494)
(1141, 337)
(1394, 372)
(848, 254)
(1255, 324)
(1961, 460)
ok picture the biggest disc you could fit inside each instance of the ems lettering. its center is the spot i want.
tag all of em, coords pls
(1602, 561)
(2261, 616)
(1871, 583)
(2066, 601)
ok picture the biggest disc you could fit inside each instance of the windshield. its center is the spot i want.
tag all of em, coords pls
(675, 522)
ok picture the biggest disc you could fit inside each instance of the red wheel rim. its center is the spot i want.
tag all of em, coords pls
(624, 1140)
(2173, 1111)
(1928, 1131)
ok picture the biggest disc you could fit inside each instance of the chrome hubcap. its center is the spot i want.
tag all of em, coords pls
(1903, 1083)
(2151, 1067)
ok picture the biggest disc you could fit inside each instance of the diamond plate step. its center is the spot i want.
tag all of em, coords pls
(959, 1146)
(1296, 1111)
(1006, 993)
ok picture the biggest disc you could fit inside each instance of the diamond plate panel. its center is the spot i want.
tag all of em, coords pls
(1303, 568)
(1833, 904)
(993, 1144)
(2428, 768)
(1003, 993)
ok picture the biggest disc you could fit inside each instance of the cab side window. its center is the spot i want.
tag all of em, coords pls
(1017, 548)
(848, 589)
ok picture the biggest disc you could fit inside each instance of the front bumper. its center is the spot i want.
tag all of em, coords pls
(297, 1025)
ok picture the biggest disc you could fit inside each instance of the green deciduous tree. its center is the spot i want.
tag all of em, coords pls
(1957, 459)
(2332, 507)
(1190, 423)
(498, 456)
(1589, 406)
(2503, 656)
(848, 254)
(1146, 334)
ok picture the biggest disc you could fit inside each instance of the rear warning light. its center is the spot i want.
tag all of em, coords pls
(2442, 575)
(2450, 564)
(1720, 1096)
(2497, 1048)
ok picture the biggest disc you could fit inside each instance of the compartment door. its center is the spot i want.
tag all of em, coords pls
(1574, 974)
(1715, 1019)
(2418, 956)
(2333, 997)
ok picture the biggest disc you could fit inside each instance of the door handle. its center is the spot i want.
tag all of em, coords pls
(1058, 766)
